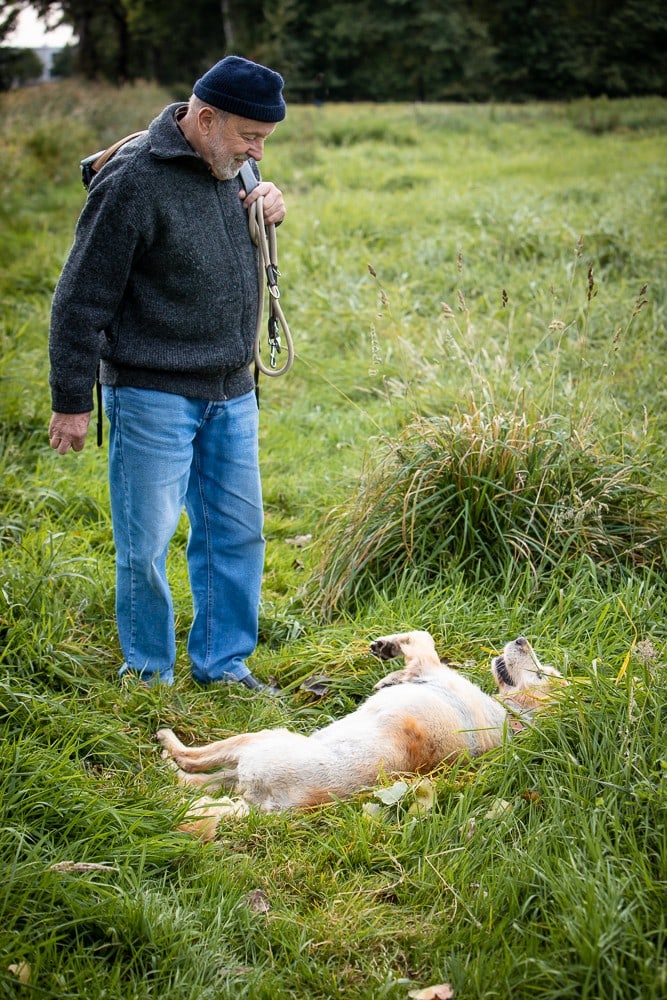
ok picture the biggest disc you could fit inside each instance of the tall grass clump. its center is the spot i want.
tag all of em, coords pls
(492, 493)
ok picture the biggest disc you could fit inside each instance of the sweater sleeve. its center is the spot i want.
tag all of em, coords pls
(108, 236)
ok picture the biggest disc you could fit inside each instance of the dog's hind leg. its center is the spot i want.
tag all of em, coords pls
(208, 782)
(210, 757)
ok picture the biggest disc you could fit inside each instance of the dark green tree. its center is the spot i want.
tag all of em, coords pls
(633, 50)
(556, 49)
(18, 67)
(396, 50)
(381, 50)
(103, 46)
(64, 63)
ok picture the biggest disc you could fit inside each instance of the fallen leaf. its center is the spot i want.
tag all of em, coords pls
(441, 992)
(498, 809)
(21, 970)
(318, 686)
(373, 810)
(424, 793)
(390, 796)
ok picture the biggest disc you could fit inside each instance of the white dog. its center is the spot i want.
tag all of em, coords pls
(419, 717)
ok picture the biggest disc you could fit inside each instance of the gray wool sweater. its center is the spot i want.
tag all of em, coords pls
(161, 283)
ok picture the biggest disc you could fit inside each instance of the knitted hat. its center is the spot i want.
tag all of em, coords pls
(243, 88)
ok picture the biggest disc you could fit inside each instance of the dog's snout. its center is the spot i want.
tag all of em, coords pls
(522, 642)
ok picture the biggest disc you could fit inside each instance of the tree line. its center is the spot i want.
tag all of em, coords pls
(378, 50)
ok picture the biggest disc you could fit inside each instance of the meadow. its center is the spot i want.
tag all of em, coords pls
(473, 441)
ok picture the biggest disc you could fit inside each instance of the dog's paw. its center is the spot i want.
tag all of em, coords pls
(170, 743)
(385, 649)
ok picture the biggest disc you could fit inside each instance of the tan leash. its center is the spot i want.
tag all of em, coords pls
(264, 238)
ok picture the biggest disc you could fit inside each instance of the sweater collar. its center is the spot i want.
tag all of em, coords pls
(165, 137)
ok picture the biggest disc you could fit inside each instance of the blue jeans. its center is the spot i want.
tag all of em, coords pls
(167, 452)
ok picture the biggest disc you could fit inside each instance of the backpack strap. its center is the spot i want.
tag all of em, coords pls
(109, 152)
(92, 164)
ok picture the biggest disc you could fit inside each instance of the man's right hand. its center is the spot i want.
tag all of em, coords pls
(68, 430)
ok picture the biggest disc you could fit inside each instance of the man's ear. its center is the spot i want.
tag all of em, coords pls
(205, 119)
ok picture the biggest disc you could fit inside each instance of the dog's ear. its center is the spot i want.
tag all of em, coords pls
(518, 668)
(502, 676)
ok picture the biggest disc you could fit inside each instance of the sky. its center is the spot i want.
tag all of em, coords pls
(32, 33)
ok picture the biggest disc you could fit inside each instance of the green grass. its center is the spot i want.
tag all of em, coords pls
(504, 320)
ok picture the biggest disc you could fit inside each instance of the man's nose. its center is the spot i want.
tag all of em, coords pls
(256, 149)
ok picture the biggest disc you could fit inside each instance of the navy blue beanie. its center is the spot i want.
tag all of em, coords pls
(243, 88)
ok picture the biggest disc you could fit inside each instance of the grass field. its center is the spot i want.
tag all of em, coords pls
(492, 277)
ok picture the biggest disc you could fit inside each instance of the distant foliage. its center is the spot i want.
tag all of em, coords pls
(382, 50)
(492, 493)
(18, 67)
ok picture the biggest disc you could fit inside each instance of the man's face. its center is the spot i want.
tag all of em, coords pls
(232, 140)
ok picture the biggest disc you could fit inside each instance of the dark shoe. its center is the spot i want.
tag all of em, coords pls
(254, 685)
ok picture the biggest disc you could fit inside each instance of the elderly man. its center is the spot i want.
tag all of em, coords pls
(160, 290)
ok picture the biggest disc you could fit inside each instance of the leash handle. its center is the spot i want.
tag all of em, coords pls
(264, 238)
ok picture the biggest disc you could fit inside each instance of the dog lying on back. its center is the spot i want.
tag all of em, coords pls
(421, 716)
